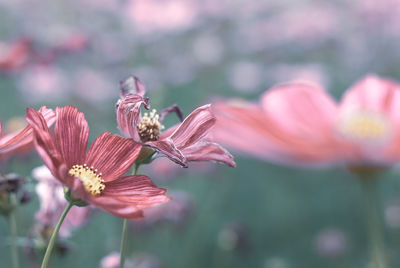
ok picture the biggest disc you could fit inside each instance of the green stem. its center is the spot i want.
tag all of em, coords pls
(123, 243)
(374, 222)
(125, 231)
(13, 230)
(54, 236)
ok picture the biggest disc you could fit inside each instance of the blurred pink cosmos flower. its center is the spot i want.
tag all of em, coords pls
(21, 141)
(15, 55)
(52, 203)
(298, 123)
(181, 143)
(96, 175)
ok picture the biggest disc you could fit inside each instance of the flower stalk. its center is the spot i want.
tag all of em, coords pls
(13, 230)
(124, 234)
(53, 238)
(374, 222)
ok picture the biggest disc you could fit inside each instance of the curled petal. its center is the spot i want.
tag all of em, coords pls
(137, 190)
(172, 109)
(46, 147)
(22, 140)
(71, 134)
(194, 127)
(132, 85)
(208, 151)
(112, 155)
(167, 147)
(128, 115)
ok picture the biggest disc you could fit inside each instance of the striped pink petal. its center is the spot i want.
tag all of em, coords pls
(167, 147)
(194, 127)
(46, 147)
(137, 190)
(71, 134)
(112, 155)
(208, 151)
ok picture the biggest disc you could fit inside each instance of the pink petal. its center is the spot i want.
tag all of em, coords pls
(294, 125)
(128, 115)
(168, 148)
(194, 127)
(45, 146)
(137, 190)
(22, 141)
(302, 118)
(116, 207)
(112, 155)
(208, 151)
(132, 85)
(71, 134)
(373, 94)
(300, 110)
(249, 125)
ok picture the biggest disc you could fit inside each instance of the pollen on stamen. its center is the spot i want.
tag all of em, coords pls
(91, 180)
(150, 126)
(365, 127)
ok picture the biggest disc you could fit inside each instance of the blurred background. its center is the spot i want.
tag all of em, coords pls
(190, 52)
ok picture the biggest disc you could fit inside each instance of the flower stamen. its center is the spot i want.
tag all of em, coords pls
(365, 127)
(150, 126)
(91, 180)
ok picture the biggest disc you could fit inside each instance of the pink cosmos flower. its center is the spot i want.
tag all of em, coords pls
(20, 142)
(298, 123)
(181, 143)
(52, 203)
(96, 175)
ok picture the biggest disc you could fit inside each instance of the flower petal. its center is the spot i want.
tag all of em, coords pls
(136, 190)
(208, 151)
(132, 85)
(300, 110)
(249, 125)
(45, 146)
(373, 94)
(128, 115)
(71, 134)
(116, 207)
(22, 141)
(167, 148)
(194, 127)
(112, 155)
(294, 125)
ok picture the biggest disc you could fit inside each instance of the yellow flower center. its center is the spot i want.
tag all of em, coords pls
(91, 180)
(364, 127)
(150, 126)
